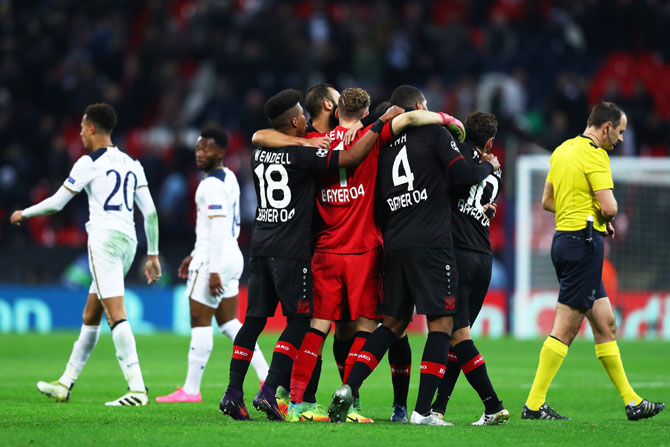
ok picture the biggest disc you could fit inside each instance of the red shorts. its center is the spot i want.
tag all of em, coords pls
(347, 282)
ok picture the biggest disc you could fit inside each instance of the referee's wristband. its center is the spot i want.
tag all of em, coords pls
(377, 126)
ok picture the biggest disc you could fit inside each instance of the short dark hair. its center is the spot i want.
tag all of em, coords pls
(219, 136)
(314, 98)
(479, 127)
(603, 112)
(353, 103)
(382, 107)
(102, 115)
(278, 108)
(406, 96)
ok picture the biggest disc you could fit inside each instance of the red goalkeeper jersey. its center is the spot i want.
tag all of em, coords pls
(345, 199)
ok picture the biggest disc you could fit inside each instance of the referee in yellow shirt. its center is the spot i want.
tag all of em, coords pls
(579, 190)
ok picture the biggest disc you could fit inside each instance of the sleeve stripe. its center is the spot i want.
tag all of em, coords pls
(454, 161)
(143, 186)
(73, 192)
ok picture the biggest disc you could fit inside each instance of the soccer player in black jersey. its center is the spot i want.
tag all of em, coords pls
(414, 179)
(281, 248)
(473, 257)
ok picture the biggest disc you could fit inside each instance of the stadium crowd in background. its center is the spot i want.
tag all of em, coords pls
(170, 67)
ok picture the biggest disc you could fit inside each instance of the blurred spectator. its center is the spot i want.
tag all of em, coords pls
(171, 66)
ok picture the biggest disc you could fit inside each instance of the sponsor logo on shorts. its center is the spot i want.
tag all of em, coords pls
(322, 152)
(215, 207)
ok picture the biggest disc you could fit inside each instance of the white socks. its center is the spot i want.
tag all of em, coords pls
(88, 337)
(126, 354)
(230, 330)
(198, 355)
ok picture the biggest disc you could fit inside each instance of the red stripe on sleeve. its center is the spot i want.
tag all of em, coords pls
(454, 161)
(472, 364)
(241, 353)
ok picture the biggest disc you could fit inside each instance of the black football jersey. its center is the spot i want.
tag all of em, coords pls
(470, 226)
(415, 175)
(284, 181)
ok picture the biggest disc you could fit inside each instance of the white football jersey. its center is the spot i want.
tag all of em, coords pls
(110, 178)
(217, 196)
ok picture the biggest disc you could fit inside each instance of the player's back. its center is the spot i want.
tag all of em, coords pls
(415, 207)
(110, 178)
(470, 225)
(217, 195)
(345, 201)
(284, 185)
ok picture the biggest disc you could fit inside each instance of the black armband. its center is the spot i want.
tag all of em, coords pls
(377, 126)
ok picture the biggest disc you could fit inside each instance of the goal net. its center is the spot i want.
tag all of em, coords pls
(636, 273)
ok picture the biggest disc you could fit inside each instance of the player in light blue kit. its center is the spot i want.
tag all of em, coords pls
(114, 183)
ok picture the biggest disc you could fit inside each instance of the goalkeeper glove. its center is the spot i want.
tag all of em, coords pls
(454, 126)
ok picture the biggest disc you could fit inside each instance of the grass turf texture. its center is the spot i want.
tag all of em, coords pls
(581, 390)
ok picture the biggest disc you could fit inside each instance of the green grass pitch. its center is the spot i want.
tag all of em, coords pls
(581, 390)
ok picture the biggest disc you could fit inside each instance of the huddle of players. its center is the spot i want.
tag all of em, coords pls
(392, 186)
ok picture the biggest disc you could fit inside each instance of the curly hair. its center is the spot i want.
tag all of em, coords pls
(353, 103)
(479, 127)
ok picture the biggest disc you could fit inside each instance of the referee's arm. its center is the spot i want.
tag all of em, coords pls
(608, 204)
(548, 197)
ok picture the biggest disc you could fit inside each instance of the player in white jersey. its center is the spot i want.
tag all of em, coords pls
(114, 183)
(215, 265)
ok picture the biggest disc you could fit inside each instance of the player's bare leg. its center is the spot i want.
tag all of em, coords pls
(126, 353)
(603, 323)
(59, 389)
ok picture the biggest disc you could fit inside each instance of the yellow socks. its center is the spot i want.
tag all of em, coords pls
(609, 356)
(551, 356)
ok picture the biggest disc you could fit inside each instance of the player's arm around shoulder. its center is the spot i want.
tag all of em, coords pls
(364, 145)
(272, 138)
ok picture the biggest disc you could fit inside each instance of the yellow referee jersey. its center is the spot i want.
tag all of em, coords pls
(579, 167)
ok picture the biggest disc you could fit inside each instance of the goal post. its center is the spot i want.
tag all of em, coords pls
(637, 266)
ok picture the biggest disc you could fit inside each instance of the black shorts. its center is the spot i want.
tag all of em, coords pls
(423, 277)
(275, 280)
(474, 277)
(579, 268)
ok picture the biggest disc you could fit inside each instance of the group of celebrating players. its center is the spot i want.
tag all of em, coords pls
(403, 198)
(383, 187)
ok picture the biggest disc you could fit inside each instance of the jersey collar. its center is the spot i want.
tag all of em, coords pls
(592, 143)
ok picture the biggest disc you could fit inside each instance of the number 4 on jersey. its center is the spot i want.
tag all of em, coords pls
(407, 177)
